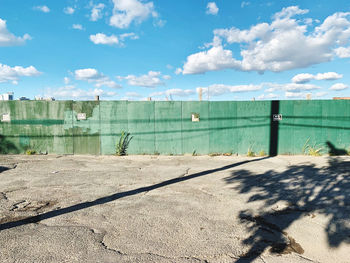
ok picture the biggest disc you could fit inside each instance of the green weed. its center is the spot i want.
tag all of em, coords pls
(262, 153)
(250, 152)
(312, 150)
(123, 144)
(30, 152)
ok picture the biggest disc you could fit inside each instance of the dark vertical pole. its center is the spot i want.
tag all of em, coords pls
(275, 105)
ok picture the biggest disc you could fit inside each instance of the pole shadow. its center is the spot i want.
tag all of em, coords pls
(116, 196)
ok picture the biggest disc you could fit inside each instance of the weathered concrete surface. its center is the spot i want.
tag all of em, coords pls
(174, 209)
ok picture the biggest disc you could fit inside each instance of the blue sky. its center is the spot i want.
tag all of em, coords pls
(173, 50)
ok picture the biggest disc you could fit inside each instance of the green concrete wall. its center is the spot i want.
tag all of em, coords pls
(167, 127)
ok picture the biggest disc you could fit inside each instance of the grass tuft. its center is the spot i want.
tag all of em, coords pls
(123, 144)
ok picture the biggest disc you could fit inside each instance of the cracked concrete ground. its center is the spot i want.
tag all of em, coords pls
(174, 209)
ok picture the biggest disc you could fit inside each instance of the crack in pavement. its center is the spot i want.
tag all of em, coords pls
(308, 259)
(119, 253)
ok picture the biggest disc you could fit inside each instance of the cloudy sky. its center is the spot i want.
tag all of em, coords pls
(134, 49)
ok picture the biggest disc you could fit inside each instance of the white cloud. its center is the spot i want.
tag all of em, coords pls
(244, 3)
(66, 80)
(306, 77)
(128, 35)
(212, 8)
(295, 95)
(111, 40)
(166, 77)
(269, 96)
(149, 80)
(42, 8)
(69, 10)
(96, 12)
(339, 86)
(215, 58)
(159, 23)
(91, 75)
(295, 87)
(127, 11)
(104, 40)
(8, 39)
(173, 92)
(178, 71)
(342, 52)
(328, 76)
(69, 92)
(302, 78)
(13, 74)
(77, 26)
(288, 12)
(220, 89)
(275, 46)
(87, 74)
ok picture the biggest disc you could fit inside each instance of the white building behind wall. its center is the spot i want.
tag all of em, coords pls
(6, 96)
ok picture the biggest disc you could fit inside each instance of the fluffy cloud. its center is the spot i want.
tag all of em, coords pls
(8, 39)
(276, 46)
(295, 95)
(173, 92)
(103, 39)
(306, 77)
(215, 58)
(96, 12)
(93, 76)
(212, 8)
(342, 52)
(150, 80)
(220, 89)
(69, 92)
(303, 78)
(111, 40)
(77, 26)
(292, 87)
(339, 86)
(127, 11)
(69, 10)
(42, 8)
(13, 74)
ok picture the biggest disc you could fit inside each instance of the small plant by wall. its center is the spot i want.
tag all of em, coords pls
(262, 153)
(312, 149)
(30, 152)
(123, 143)
(250, 152)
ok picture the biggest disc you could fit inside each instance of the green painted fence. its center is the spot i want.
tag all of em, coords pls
(167, 127)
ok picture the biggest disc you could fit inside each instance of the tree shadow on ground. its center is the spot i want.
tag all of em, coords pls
(305, 190)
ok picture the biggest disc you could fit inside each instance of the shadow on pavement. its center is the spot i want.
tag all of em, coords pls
(306, 189)
(110, 198)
